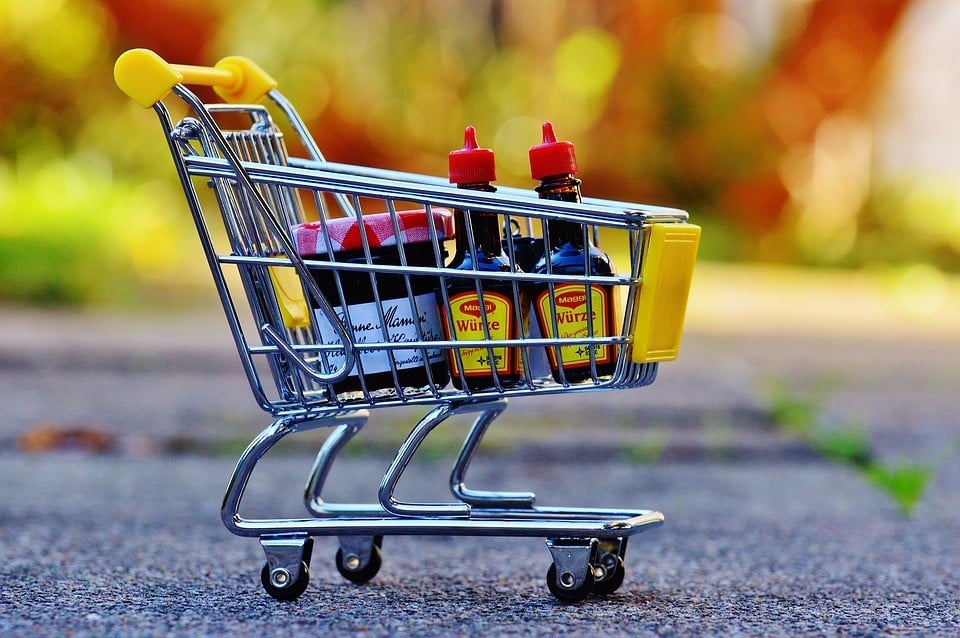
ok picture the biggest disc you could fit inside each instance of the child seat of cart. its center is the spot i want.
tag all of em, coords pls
(282, 301)
(263, 143)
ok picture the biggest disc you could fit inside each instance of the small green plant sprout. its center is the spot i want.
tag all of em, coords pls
(649, 448)
(801, 416)
(904, 483)
(848, 445)
(796, 414)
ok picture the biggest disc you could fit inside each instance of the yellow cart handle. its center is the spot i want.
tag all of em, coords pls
(147, 78)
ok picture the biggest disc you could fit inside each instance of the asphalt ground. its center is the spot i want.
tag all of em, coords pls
(111, 526)
(133, 546)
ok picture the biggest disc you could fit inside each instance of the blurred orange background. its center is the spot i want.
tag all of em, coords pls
(808, 132)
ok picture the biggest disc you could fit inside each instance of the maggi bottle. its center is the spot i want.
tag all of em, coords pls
(566, 313)
(493, 314)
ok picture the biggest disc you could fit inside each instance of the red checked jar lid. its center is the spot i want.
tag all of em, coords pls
(345, 235)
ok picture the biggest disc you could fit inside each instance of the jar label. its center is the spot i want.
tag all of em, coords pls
(400, 322)
(467, 318)
(569, 308)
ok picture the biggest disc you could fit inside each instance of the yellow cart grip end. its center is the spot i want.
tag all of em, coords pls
(145, 76)
(250, 83)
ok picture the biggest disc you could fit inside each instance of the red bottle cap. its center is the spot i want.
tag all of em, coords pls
(552, 157)
(472, 164)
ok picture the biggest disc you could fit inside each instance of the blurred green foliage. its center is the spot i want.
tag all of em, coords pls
(669, 103)
(89, 213)
(73, 235)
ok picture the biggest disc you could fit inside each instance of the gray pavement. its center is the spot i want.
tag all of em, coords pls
(762, 535)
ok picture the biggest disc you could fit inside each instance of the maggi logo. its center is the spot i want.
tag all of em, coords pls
(571, 299)
(472, 307)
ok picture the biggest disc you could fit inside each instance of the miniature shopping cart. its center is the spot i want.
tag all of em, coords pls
(333, 281)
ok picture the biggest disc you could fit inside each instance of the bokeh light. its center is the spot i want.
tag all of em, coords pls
(794, 131)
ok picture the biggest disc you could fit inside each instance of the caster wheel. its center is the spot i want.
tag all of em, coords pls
(357, 574)
(613, 578)
(565, 595)
(290, 591)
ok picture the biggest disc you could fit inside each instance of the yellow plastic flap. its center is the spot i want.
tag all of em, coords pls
(667, 271)
(293, 307)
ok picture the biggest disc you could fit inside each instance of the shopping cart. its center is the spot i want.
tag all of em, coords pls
(327, 337)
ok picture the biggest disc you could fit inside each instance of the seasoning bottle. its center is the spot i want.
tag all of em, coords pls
(563, 313)
(492, 314)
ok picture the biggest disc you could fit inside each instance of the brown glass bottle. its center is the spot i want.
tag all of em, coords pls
(479, 368)
(566, 313)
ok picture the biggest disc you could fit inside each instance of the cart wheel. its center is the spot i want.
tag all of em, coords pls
(360, 574)
(291, 591)
(613, 576)
(565, 595)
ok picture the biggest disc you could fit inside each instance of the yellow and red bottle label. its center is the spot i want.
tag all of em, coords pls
(576, 320)
(467, 319)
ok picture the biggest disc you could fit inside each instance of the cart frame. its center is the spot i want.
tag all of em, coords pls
(259, 192)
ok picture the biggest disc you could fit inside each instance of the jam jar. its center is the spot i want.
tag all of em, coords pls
(376, 307)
